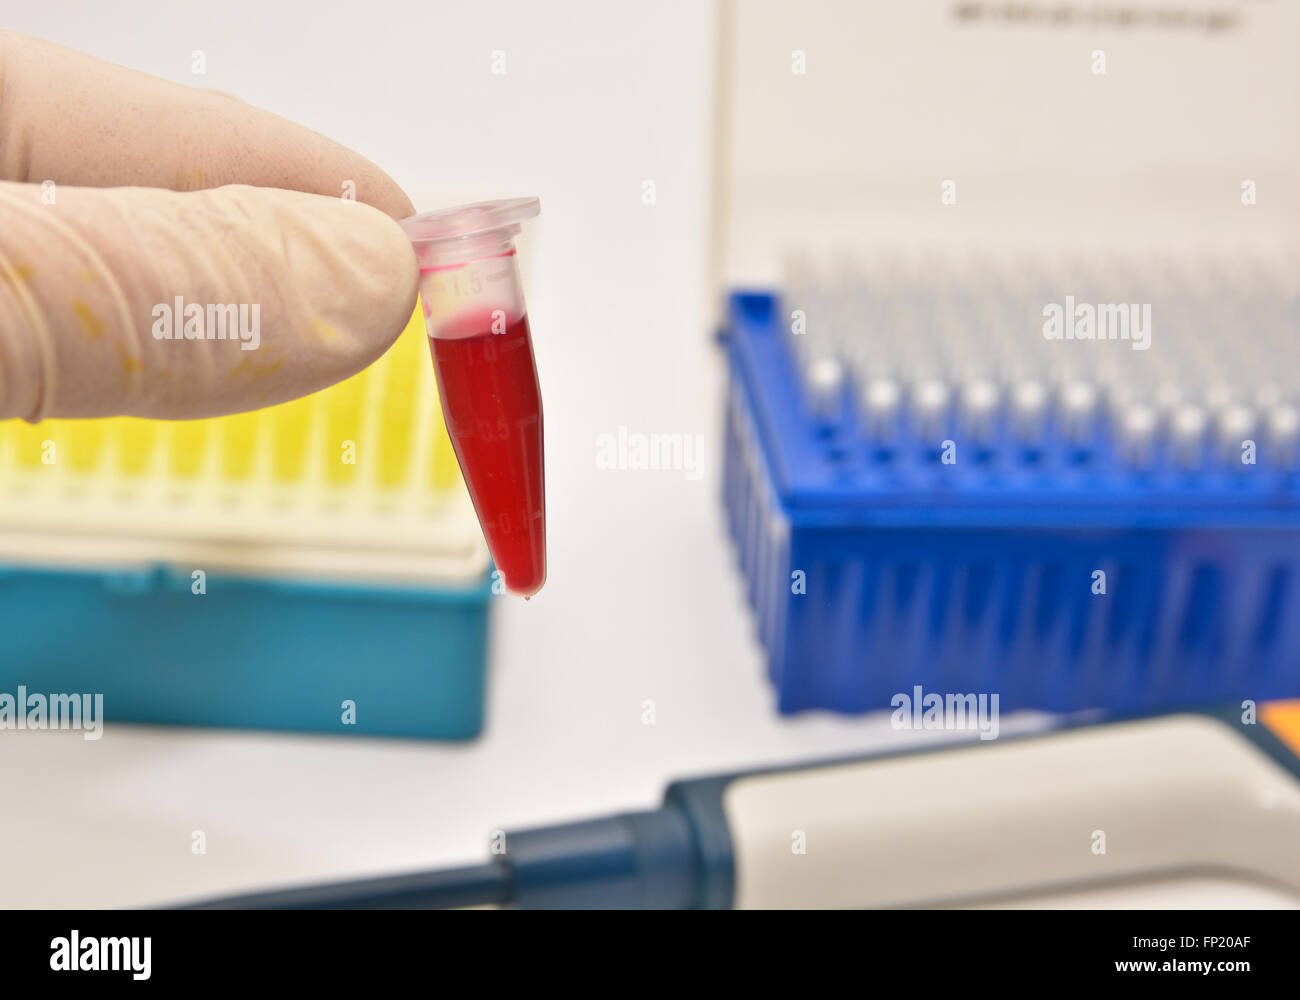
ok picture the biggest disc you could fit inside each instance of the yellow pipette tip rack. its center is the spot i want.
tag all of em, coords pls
(366, 461)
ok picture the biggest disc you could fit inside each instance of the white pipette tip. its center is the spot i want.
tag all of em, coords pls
(1168, 395)
(825, 378)
(882, 409)
(1028, 406)
(1283, 435)
(1234, 427)
(1187, 427)
(1138, 429)
(978, 409)
(1078, 412)
(930, 409)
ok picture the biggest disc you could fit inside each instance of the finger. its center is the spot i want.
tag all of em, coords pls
(77, 120)
(87, 282)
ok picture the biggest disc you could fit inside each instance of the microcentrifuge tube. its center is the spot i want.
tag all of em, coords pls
(482, 353)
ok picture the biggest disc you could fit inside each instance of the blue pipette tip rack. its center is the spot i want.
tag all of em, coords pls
(1090, 556)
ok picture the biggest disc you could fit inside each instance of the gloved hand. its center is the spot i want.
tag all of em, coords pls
(91, 266)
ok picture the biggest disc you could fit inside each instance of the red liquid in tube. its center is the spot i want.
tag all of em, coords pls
(488, 386)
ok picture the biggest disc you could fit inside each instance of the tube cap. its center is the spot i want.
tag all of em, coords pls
(467, 221)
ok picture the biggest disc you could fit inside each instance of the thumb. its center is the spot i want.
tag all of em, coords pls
(119, 300)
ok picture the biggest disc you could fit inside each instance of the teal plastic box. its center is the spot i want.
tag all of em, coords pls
(250, 651)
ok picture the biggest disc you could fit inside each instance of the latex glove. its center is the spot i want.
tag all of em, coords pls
(87, 264)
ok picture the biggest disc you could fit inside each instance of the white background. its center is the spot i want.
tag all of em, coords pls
(642, 602)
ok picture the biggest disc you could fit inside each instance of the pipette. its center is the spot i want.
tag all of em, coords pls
(482, 351)
(1214, 791)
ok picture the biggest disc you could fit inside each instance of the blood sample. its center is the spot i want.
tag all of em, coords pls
(487, 379)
